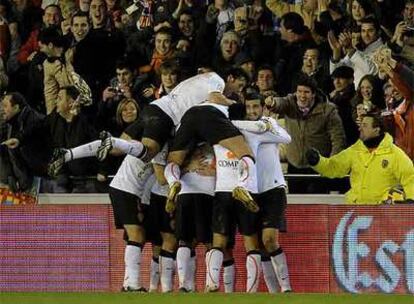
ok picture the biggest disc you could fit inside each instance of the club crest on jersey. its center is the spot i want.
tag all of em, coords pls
(384, 163)
(230, 155)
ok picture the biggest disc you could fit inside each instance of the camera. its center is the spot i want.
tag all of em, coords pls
(409, 32)
(117, 90)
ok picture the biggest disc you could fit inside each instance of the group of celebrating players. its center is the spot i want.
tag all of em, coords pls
(198, 166)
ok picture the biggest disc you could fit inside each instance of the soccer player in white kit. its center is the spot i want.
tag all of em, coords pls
(194, 212)
(157, 120)
(165, 113)
(271, 199)
(129, 198)
(162, 224)
(226, 214)
(162, 115)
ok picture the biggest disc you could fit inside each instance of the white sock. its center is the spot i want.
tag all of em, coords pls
(126, 278)
(166, 271)
(172, 173)
(183, 261)
(247, 174)
(253, 263)
(207, 257)
(269, 276)
(154, 275)
(132, 266)
(86, 150)
(134, 148)
(228, 276)
(281, 269)
(190, 277)
(213, 265)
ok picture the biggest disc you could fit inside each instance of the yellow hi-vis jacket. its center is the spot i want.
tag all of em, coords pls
(372, 174)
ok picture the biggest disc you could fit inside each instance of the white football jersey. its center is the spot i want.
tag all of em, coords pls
(226, 169)
(161, 190)
(227, 163)
(188, 93)
(269, 169)
(132, 176)
(192, 182)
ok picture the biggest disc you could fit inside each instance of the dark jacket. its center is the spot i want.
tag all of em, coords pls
(96, 56)
(343, 102)
(72, 134)
(287, 59)
(34, 150)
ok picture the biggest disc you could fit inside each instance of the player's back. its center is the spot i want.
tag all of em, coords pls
(188, 93)
(132, 175)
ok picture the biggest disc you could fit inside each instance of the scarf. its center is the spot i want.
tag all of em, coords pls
(147, 18)
(374, 142)
(156, 62)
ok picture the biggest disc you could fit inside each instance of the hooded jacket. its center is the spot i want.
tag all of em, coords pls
(372, 173)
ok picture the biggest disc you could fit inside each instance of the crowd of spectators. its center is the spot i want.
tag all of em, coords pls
(132, 52)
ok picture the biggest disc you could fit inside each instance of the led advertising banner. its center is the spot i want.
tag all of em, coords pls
(330, 249)
(372, 249)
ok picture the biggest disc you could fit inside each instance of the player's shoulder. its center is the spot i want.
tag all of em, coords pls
(212, 76)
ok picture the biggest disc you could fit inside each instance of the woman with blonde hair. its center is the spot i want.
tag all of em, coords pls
(126, 113)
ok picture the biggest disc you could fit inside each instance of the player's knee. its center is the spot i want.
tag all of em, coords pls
(135, 233)
(169, 242)
(251, 243)
(219, 241)
(270, 241)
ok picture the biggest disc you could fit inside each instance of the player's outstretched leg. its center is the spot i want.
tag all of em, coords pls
(105, 147)
(57, 162)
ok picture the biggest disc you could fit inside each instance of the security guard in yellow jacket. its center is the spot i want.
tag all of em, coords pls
(376, 166)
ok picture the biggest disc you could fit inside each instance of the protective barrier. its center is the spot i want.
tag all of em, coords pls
(329, 249)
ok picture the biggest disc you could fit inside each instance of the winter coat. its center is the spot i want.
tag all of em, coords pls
(372, 173)
(321, 128)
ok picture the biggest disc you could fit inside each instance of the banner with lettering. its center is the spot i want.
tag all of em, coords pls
(329, 249)
(372, 249)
